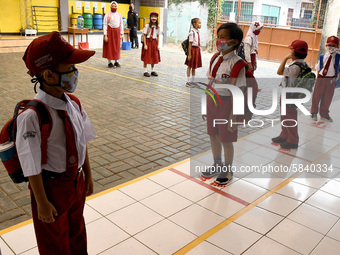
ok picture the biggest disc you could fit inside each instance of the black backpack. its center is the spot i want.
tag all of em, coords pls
(240, 51)
(185, 44)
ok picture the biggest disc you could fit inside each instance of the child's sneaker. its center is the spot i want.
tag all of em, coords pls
(225, 176)
(187, 84)
(146, 74)
(278, 140)
(212, 171)
(314, 116)
(327, 119)
(287, 145)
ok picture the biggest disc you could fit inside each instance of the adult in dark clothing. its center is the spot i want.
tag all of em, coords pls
(132, 23)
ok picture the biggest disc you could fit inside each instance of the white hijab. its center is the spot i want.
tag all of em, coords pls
(256, 25)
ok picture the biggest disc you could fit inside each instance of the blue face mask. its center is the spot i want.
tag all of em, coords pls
(222, 44)
(68, 80)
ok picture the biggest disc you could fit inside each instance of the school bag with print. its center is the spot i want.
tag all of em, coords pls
(8, 152)
(306, 79)
(336, 66)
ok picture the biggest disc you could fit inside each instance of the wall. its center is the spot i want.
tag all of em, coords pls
(10, 16)
(179, 18)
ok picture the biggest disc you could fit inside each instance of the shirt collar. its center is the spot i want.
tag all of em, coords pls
(228, 55)
(51, 101)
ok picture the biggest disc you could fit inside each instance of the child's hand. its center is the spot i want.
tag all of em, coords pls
(204, 117)
(189, 57)
(106, 38)
(145, 47)
(290, 56)
(250, 66)
(46, 211)
(121, 37)
(158, 48)
(88, 185)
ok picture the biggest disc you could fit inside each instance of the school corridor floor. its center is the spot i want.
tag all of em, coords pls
(279, 201)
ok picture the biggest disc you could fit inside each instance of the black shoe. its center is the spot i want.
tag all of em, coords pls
(188, 84)
(278, 140)
(225, 176)
(314, 116)
(154, 74)
(146, 74)
(117, 64)
(327, 119)
(111, 65)
(212, 171)
(287, 145)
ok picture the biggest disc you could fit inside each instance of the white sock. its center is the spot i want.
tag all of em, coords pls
(193, 78)
(152, 69)
(109, 61)
(188, 78)
(145, 69)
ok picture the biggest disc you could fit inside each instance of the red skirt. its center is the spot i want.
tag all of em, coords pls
(151, 55)
(111, 49)
(196, 59)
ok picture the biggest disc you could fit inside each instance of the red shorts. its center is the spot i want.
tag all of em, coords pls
(220, 112)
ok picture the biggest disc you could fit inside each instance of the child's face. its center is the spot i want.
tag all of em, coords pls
(113, 5)
(153, 18)
(224, 43)
(198, 24)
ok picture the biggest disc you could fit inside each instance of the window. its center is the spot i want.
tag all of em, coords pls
(270, 14)
(246, 10)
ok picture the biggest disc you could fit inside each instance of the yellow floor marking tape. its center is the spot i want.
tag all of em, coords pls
(237, 215)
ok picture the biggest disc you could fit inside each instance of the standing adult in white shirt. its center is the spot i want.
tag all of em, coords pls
(113, 33)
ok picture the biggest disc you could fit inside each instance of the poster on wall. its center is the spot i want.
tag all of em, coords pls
(87, 6)
(95, 6)
(103, 6)
(78, 5)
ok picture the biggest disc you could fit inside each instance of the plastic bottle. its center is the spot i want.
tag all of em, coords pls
(80, 22)
(124, 23)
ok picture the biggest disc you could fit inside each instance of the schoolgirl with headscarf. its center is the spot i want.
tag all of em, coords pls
(251, 44)
(113, 33)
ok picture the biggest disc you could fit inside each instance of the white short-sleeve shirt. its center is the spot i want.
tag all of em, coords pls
(291, 72)
(28, 146)
(331, 69)
(156, 32)
(193, 36)
(224, 71)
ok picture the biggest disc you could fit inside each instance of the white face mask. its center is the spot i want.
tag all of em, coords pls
(331, 49)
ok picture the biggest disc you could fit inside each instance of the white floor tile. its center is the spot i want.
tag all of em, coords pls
(332, 187)
(279, 204)
(313, 218)
(110, 202)
(245, 145)
(326, 202)
(196, 219)
(129, 247)
(141, 189)
(207, 248)
(327, 246)
(103, 234)
(311, 180)
(165, 237)
(251, 159)
(296, 191)
(18, 244)
(206, 159)
(134, 218)
(266, 152)
(259, 220)
(335, 232)
(5, 249)
(295, 236)
(245, 190)
(184, 168)
(221, 205)
(265, 244)
(90, 214)
(166, 202)
(33, 251)
(167, 178)
(266, 180)
(229, 238)
(191, 190)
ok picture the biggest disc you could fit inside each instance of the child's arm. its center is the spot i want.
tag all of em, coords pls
(45, 209)
(157, 42)
(283, 64)
(88, 175)
(144, 40)
(106, 38)
(189, 50)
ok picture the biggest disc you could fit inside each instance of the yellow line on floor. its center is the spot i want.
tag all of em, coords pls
(22, 224)
(135, 79)
(139, 67)
(237, 215)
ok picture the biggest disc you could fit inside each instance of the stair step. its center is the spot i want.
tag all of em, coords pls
(13, 49)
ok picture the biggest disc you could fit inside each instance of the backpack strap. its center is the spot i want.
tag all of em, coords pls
(236, 70)
(45, 122)
(337, 62)
(321, 61)
(213, 59)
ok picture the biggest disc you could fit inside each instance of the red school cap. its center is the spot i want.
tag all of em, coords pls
(299, 46)
(51, 49)
(154, 13)
(333, 41)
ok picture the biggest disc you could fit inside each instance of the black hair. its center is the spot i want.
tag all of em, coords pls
(194, 20)
(150, 24)
(235, 32)
(300, 55)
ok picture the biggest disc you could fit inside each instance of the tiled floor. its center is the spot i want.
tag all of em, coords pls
(169, 212)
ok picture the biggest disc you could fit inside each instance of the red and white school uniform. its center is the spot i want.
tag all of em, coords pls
(251, 44)
(324, 86)
(220, 70)
(289, 131)
(113, 28)
(151, 55)
(64, 184)
(196, 59)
